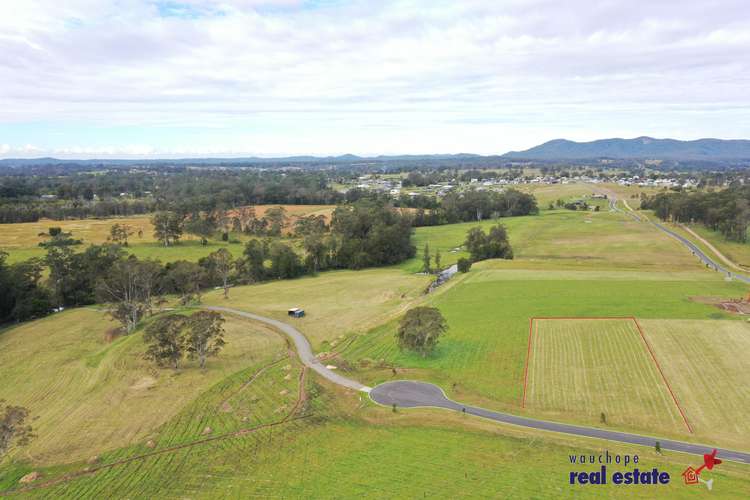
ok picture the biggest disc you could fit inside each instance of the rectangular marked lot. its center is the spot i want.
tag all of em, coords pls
(707, 363)
(581, 368)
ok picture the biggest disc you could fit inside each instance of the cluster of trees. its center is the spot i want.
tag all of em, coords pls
(573, 205)
(726, 211)
(23, 294)
(169, 226)
(476, 206)
(173, 337)
(369, 234)
(427, 260)
(419, 179)
(492, 245)
(480, 175)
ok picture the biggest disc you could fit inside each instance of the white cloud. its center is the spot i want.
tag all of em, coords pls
(486, 76)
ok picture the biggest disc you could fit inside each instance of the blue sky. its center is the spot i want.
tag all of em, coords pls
(144, 78)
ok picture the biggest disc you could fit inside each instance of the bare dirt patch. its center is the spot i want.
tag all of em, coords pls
(732, 306)
(144, 383)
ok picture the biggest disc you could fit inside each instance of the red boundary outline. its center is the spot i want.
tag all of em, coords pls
(642, 335)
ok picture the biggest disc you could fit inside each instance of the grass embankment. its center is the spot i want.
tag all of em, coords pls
(91, 395)
(738, 253)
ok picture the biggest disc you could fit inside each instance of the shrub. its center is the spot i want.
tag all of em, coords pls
(463, 265)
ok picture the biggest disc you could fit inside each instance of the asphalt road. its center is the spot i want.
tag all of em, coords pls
(411, 394)
(702, 256)
(708, 261)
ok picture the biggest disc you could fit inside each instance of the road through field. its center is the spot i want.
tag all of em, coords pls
(412, 394)
(708, 261)
(304, 350)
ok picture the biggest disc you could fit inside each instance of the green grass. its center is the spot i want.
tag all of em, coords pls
(481, 357)
(564, 239)
(231, 410)
(580, 369)
(550, 193)
(343, 451)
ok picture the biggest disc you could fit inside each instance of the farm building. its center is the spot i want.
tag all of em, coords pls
(296, 312)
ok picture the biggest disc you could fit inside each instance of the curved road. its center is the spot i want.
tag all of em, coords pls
(412, 394)
(304, 351)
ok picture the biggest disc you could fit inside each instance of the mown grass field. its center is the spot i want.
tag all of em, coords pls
(708, 366)
(581, 369)
(565, 239)
(21, 241)
(550, 193)
(90, 395)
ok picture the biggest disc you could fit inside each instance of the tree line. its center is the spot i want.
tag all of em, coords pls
(361, 235)
(83, 195)
(477, 206)
(726, 211)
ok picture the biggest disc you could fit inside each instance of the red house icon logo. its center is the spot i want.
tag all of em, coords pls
(690, 476)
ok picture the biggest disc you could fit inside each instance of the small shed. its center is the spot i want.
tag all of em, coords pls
(296, 312)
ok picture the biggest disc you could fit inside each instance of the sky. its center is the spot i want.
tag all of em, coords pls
(228, 78)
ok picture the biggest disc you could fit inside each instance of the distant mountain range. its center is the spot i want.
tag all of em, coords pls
(718, 151)
(638, 148)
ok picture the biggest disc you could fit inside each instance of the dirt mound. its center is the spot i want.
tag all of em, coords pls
(733, 306)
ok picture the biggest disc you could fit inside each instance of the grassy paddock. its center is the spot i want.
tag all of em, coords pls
(336, 303)
(91, 395)
(21, 240)
(481, 358)
(708, 366)
(565, 239)
(581, 368)
(347, 449)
